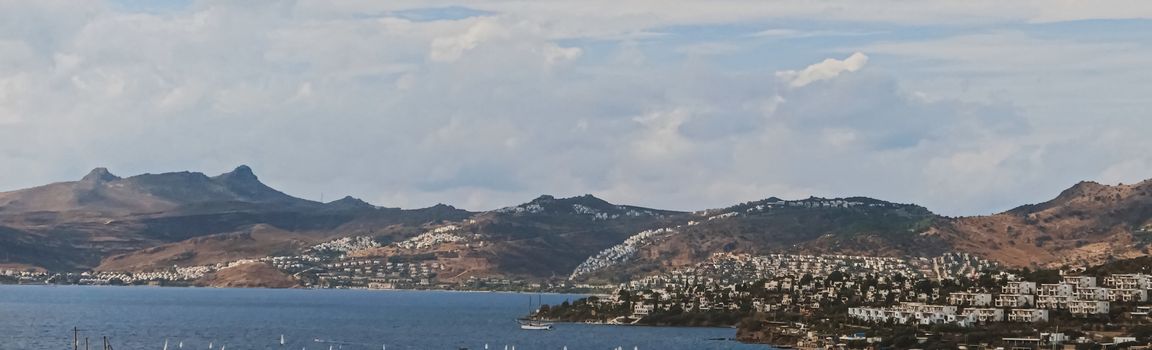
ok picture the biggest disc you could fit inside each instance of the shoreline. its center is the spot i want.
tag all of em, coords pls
(453, 291)
(295, 288)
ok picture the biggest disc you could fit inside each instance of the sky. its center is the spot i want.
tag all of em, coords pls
(965, 107)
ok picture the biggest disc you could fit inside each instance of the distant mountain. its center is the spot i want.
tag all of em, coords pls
(101, 193)
(79, 224)
(155, 221)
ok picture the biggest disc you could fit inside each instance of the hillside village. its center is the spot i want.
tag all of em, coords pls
(817, 301)
(626, 251)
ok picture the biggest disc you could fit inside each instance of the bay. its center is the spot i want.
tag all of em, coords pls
(42, 317)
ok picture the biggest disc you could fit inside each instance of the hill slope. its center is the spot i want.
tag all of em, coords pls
(544, 238)
(854, 225)
(1087, 224)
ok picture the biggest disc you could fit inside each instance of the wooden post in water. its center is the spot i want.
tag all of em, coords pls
(75, 338)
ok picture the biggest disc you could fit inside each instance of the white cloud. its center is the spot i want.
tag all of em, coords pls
(450, 48)
(827, 69)
(541, 97)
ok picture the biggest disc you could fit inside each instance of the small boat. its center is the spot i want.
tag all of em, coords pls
(536, 326)
(527, 323)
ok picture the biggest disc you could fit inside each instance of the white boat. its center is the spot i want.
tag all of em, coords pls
(528, 323)
(536, 326)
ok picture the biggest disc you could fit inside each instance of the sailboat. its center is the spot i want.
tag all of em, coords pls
(527, 323)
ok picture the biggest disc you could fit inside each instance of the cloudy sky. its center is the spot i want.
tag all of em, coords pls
(966, 107)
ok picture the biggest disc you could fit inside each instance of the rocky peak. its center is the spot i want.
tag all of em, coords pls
(99, 175)
(350, 202)
(241, 174)
(1076, 193)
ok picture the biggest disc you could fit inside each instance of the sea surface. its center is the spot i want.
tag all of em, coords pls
(42, 318)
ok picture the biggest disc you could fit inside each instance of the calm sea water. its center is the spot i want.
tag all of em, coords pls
(42, 317)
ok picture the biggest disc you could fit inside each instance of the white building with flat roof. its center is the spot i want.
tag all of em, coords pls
(1088, 307)
(1091, 293)
(1028, 315)
(984, 315)
(1054, 289)
(1052, 302)
(1127, 295)
(1015, 300)
(970, 299)
(1128, 281)
(1019, 287)
(1080, 281)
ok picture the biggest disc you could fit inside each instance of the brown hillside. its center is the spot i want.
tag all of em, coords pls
(251, 275)
(1087, 224)
(256, 242)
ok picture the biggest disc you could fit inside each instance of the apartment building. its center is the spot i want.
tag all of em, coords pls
(970, 299)
(1015, 300)
(984, 315)
(1028, 315)
(1019, 287)
(1091, 293)
(1054, 289)
(1052, 302)
(1128, 281)
(1080, 281)
(1127, 295)
(1088, 307)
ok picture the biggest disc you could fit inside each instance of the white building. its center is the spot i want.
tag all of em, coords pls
(1129, 281)
(1091, 293)
(1019, 288)
(1127, 295)
(1052, 302)
(1080, 281)
(1088, 307)
(1028, 315)
(984, 315)
(1054, 289)
(928, 308)
(1121, 340)
(970, 299)
(1015, 300)
(907, 313)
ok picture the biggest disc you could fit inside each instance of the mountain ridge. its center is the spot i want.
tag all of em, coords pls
(150, 221)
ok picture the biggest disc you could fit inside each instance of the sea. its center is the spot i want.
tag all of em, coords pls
(43, 317)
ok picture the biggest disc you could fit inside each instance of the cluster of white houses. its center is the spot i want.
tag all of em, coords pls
(1018, 301)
